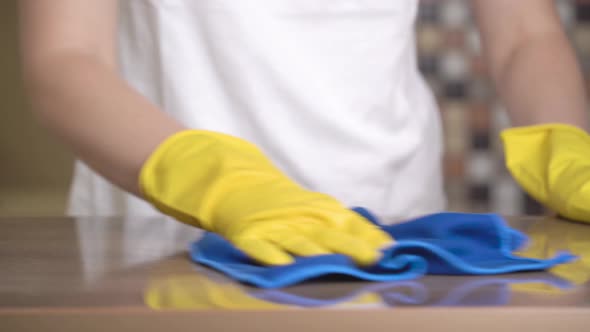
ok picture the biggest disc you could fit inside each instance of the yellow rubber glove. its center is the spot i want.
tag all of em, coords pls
(226, 185)
(552, 163)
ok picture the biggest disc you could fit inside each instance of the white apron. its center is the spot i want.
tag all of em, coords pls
(328, 89)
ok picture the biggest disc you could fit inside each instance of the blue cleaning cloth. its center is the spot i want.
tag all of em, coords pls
(442, 243)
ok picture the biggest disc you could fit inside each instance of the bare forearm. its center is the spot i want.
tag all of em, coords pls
(104, 121)
(541, 82)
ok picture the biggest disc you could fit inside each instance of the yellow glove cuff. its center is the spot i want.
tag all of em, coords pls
(153, 172)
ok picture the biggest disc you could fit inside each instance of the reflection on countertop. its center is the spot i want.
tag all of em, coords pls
(111, 262)
(204, 289)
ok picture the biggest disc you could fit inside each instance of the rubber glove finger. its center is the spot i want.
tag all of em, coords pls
(297, 244)
(359, 250)
(263, 251)
(367, 231)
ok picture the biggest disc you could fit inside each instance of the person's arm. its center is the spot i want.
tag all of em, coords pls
(537, 76)
(70, 70)
(531, 62)
(210, 180)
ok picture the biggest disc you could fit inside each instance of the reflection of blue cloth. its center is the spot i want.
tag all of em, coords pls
(443, 243)
(418, 294)
(491, 290)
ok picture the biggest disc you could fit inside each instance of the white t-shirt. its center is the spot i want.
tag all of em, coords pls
(329, 90)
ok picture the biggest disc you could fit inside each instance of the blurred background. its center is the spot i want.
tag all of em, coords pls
(449, 50)
(35, 170)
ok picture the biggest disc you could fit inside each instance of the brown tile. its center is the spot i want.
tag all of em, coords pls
(430, 38)
(454, 166)
(479, 117)
(455, 38)
(478, 66)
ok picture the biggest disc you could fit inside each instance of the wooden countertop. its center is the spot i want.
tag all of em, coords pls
(88, 274)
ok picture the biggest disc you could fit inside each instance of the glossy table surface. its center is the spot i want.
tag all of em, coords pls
(109, 273)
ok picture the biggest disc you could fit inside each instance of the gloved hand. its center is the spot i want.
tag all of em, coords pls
(552, 163)
(226, 185)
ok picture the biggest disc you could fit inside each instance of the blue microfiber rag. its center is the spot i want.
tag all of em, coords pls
(443, 243)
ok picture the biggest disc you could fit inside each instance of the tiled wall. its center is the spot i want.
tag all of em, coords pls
(450, 58)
